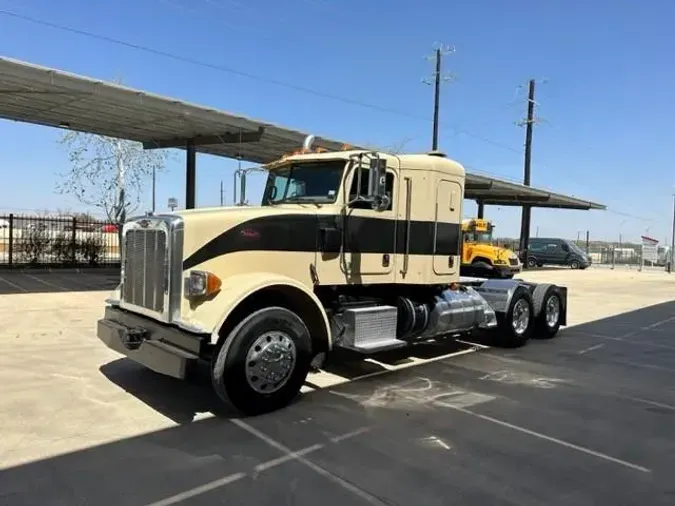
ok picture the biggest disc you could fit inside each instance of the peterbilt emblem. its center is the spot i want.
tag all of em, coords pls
(144, 223)
(250, 232)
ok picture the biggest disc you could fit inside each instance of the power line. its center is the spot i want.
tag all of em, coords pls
(193, 61)
(230, 70)
(632, 216)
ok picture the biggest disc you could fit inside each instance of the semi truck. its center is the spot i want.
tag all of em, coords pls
(480, 256)
(348, 250)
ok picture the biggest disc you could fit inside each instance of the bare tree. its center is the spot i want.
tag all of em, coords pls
(398, 147)
(108, 173)
(395, 148)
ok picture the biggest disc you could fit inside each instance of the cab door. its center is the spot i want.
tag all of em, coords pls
(447, 232)
(370, 236)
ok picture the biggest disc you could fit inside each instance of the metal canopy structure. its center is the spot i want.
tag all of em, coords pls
(40, 95)
(490, 191)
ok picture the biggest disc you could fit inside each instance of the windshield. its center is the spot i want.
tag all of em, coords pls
(312, 182)
(478, 237)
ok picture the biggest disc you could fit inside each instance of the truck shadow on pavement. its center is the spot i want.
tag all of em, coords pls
(195, 396)
(461, 429)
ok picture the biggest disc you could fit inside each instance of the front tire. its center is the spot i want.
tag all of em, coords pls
(263, 362)
(516, 325)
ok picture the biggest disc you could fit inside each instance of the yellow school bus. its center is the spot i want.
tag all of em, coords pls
(480, 256)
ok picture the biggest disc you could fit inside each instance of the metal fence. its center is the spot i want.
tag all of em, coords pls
(57, 241)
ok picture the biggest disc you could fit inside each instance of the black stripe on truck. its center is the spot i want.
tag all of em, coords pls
(300, 233)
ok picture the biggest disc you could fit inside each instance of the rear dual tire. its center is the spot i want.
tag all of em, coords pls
(548, 303)
(515, 327)
(536, 315)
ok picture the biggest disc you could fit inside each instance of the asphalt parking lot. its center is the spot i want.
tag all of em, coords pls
(57, 280)
(587, 418)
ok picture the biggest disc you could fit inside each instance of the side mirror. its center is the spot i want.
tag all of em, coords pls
(377, 178)
(240, 175)
(375, 194)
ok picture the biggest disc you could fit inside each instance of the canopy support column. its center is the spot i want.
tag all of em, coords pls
(190, 174)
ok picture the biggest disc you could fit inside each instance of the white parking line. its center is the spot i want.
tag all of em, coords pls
(414, 362)
(560, 442)
(658, 324)
(656, 404)
(447, 400)
(371, 499)
(13, 285)
(647, 328)
(285, 458)
(436, 400)
(591, 389)
(288, 456)
(349, 435)
(46, 283)
(207, 487)
(591, 348)
(628, 341)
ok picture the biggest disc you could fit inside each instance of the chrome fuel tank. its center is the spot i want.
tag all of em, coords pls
(456, 311)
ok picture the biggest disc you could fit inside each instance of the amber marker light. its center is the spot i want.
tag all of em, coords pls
(201, 284)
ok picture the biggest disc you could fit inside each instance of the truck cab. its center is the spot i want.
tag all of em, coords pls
(480, 256)
(353, 250)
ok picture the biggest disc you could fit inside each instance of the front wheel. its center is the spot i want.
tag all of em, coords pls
(516, 325)
(263, 362)
(574, 264)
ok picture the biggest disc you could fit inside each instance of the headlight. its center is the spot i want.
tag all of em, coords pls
(201, 284)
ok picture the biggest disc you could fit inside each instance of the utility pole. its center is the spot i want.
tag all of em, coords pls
(222, 195)
(672, 240)
(439, 52)
(527, 210)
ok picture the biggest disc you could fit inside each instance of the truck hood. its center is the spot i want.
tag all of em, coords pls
(212, 232)
(239, 212)
(493, 251)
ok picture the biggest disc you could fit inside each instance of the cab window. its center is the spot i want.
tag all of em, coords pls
(388, 188)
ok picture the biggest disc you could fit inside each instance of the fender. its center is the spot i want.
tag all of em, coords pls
(237, 288)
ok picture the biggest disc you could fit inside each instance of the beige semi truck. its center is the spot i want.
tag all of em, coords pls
(352, 250)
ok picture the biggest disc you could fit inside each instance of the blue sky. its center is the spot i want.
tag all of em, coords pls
(606, 100)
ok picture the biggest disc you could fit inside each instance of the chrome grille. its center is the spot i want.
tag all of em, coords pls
(145, 268)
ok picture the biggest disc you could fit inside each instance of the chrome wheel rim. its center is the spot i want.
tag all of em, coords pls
(270, 361)
(552, 311)
(521, 316)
